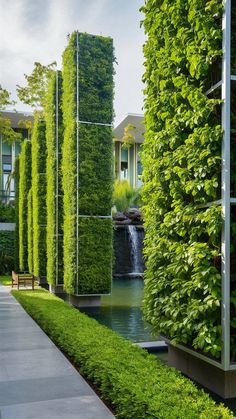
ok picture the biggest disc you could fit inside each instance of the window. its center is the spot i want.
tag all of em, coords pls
(6, 149)
(6, 167)
(124, 164)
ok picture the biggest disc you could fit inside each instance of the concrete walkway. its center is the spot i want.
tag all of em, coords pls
(36, 380)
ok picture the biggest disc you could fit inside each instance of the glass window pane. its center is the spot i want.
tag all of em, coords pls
(124, 154)
(6, 149)
(7, 167)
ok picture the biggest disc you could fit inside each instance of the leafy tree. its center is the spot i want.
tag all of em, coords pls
(34, 94)
(7, 132)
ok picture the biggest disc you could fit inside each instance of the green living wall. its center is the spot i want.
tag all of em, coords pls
(87, 163)
(39, 196)
(30, 230)
(54, 138)
(24, 186)
(182, 165)
(16, 238)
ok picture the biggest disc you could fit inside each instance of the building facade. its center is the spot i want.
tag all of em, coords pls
(9, 151)
(128, 138)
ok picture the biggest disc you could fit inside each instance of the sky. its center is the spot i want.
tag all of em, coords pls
(36, 30)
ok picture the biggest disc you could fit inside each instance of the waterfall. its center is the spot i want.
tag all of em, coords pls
(136, 252)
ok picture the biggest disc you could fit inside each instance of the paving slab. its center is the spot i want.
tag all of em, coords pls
(36, 380)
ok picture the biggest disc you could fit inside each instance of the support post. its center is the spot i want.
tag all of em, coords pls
(226, 70)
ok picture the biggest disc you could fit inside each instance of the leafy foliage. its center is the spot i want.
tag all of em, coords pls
(7, 249)
(136, 383)
(124, 196)
(30, 240)
(39, 196)
(128, 138)
(35, 92)
(24, 187)
(16, 181)
(54, 182)
(7, 132)
(95, 81)
(182, 165)
(7, 213)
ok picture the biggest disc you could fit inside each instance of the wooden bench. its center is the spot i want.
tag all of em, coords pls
(22, 278)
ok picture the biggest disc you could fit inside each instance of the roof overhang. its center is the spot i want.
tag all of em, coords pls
(137, 120)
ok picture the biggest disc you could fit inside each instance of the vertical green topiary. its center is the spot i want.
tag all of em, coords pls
(182, 165)
(39, 196)
(16, 183)
(87, 163)
(54, 138)
(24, 187)
(30, 231)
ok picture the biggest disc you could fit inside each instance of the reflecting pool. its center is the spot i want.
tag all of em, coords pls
(121, 311)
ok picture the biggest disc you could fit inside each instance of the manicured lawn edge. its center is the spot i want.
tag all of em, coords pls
(5, 280)
(136, 384)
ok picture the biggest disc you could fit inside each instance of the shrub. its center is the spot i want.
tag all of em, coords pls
(39, 196)
(7, 213)
(91, 165)
(54, 138)
(124, 196)
(136, 383)
(182, 165)
(24, 187)
(7, 249)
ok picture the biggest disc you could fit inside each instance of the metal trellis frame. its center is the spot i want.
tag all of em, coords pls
(78, 215)
(77, 161)
(226, 201)
(57, 180)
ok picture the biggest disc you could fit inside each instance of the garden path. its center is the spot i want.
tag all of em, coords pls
(36, 380)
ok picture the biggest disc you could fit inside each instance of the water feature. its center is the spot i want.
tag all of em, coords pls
(128, 247)
(136, 250)
(121, 311)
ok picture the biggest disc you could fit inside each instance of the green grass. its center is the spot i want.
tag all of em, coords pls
(5, 280)
(136, 384)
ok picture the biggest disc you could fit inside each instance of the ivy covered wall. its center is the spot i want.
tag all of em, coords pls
(87, 162)
(54, 138)
(24, 187)
(39, 195)
(182, 166)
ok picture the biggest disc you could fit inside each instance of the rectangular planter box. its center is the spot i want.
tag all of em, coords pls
(213, 378)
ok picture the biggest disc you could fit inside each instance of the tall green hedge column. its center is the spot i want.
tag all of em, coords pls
(30, 230)
(24, 187)
(16, 183)
(182, 166)
(39, 196)
(87, 163)
(54, 137)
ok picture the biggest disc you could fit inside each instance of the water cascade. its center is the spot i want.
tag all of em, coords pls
(135, 250)
(128, 250)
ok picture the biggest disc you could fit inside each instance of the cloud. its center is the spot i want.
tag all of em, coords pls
(36, 31)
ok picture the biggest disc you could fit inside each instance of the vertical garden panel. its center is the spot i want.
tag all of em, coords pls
(16, 183)
(182, 173)
(87, 163)
(30, 230)
(54, 138)
(24, 187)
(39, 196)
